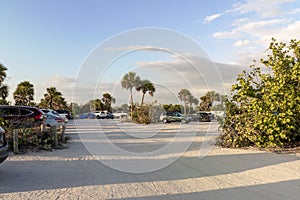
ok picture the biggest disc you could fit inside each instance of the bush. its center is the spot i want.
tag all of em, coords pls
(148, 113)
(265, 107)
(30, 138)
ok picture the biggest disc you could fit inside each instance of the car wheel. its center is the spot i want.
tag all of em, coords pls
(165, 120)
(183, 121)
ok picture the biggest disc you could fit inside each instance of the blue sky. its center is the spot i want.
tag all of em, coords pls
(46, 42)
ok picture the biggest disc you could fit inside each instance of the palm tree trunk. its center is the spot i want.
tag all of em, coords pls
(143, 96)
(190, 108)
(131, 103)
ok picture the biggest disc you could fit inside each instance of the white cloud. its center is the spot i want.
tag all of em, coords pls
(294, 11)
(240, 21)
(241, 43)
(198, 74)
(263, 31)
(258, 21)
(169, 76)
(63, 84)
(226, 35)
(263, 8)
(211, 18)
(259, 26)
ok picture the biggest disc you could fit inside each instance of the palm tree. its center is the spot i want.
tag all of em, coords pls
(51, 94)
(214, 96)
(208, 99)
(205, 103)
(3, 94)
(107, 99)
(184, 95)
(130, 81)
(3, 88)
(2, 73)
(53, 99)
(24, 93)
(192, 101)
(146, 86)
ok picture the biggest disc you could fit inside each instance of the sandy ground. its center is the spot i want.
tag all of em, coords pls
(74, 173)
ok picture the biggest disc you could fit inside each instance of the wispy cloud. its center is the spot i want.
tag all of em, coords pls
(294, 11)
(258, 21)
(226, 34)
(63, 84)
(262, 8)
(241, 43)
(211, 18)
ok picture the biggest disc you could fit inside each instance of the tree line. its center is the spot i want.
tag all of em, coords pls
(24, 94)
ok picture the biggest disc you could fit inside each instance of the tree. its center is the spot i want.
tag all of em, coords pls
(145, 86)
(208, 99)
(124, 107)
(185, 95)
(53, 99)
(192, 101)
(3, 87)
(24, 93)
(107, 99)
(221, 106)
(130, 81)
(172, 108)
(97, 105)
(265, 107)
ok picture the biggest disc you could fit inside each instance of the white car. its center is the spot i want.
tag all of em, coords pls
(53, 112)
(46, 110)
(54, 120)
(103, 115)
(65, 114)
(120, 115)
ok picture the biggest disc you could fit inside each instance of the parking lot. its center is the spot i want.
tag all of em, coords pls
(107, 159)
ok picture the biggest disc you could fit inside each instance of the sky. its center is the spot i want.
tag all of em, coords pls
(52, 43)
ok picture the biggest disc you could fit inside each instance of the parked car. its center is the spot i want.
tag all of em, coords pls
(54, 120)
(66, 113)
(203, 116)
(22, 116)
(50, 111)
(109, 115)
(175, 117)
(103, 115)
(63, 114)
(3, 146)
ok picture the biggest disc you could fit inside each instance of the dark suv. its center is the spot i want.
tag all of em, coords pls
(22, 116)
(203, 116)
(3, 146)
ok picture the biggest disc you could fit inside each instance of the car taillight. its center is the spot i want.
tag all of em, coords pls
(59, 120)
(39, 116)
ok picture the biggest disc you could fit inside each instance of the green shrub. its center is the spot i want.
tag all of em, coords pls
(265, 107)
